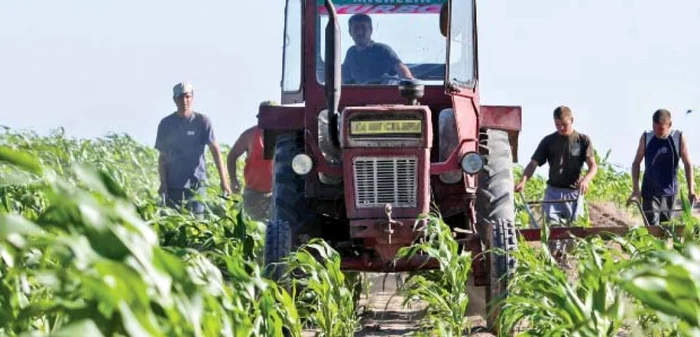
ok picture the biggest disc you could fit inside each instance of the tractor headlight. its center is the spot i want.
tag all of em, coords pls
(302, 164)
(472, 163)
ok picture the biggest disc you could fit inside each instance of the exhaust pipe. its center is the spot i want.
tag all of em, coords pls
(332, 72)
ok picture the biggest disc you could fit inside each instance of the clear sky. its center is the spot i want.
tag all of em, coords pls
(108, 66)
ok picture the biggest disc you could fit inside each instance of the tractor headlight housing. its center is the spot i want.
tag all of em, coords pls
(302, 164)
(472, 163)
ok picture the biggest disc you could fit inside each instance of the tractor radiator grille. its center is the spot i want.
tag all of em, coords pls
(385, 180)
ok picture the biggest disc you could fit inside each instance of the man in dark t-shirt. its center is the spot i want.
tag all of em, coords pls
(566, 151)
(367, 61)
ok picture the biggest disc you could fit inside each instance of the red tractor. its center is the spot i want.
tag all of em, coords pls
(358, 169)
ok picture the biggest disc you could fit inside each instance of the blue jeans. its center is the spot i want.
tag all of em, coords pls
(178, 196)
(556, 213)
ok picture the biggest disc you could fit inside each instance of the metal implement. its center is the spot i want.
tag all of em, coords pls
(637, 203)
(390, 222)
(533, 221)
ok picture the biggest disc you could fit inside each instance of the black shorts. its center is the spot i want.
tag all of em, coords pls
(658, 209)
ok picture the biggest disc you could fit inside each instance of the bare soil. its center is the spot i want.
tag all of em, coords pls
(383, 314)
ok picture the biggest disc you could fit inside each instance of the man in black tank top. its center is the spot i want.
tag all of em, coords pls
(661, 150)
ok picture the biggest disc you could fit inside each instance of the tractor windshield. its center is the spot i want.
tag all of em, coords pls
(385, 41)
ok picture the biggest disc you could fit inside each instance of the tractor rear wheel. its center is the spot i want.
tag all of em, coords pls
(289, 206)
(495, 217)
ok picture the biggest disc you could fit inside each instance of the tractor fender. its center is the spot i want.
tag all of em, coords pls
(275, 120)
(506, 118)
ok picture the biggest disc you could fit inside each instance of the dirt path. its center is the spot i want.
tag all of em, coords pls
(384, 315)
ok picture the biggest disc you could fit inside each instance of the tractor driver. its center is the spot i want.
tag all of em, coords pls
(367, 61)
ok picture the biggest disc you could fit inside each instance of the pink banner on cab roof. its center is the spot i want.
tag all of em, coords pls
(384, 9)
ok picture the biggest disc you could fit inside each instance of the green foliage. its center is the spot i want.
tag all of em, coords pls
(669, 282)
(323, 291)
(83, 254)
(643, 287)
(611, 183)
(543, 299)
(443, 290)
(87, 250)
(131, 165)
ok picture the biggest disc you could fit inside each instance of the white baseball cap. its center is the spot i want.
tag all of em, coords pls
(182, 88)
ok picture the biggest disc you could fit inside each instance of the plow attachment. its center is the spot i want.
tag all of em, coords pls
(560, 233)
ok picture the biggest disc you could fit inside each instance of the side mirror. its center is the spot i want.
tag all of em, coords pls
(444, 15)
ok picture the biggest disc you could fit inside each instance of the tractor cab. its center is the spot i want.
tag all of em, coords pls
(414, 32)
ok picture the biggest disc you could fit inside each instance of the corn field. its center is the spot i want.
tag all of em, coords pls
(87, 250)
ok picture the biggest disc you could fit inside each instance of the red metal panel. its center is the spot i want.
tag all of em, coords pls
(501, 117)
(320, 165)
(281, 117)
(452, 162)
(376, 229)
(466, 113)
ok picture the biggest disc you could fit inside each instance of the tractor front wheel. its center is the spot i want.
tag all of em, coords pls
(495, 217)
(289, 206)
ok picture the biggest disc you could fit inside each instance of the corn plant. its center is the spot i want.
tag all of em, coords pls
(445, 290)
(544, 302)
(322, 290)
(215, 237)
(611, 183)
(668, 282)
(85, 263)
(656, 265)
(131, 165)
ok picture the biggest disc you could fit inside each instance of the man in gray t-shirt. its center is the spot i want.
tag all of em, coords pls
(181, 139)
